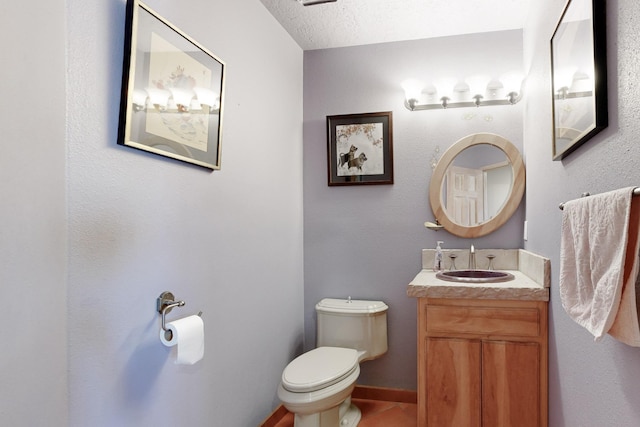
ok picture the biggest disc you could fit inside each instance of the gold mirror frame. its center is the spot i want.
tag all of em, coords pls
(509, 207)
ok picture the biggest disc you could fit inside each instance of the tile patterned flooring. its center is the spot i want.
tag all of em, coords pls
(375, 411)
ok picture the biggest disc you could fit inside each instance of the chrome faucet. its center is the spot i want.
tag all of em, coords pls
(472, 258)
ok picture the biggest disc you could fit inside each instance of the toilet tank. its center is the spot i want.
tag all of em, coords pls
(357, 324)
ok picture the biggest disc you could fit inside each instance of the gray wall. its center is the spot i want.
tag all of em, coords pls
(591, 384)
(366, 241)
(33, 359)
(92, 232)
(229, 242)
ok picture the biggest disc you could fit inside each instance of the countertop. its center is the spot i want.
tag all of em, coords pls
(425, 284)
(522, 287)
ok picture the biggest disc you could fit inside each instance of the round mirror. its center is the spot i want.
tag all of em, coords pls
(477, 185)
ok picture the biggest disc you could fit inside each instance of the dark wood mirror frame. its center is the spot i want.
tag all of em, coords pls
(569, 51)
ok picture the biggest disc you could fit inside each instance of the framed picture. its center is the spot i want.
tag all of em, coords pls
(360, 149)
(579, 75)
(172, 91)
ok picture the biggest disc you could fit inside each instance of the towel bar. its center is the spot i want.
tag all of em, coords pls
(636, 192)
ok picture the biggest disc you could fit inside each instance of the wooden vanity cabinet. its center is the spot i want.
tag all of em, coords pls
(482, 363)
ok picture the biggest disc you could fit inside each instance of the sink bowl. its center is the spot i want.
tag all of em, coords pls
(475, 276)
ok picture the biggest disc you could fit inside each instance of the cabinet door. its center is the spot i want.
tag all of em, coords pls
(510, 384)
(453, 382)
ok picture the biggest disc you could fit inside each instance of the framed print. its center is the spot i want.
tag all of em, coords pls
(579, 75)
(360, 149)
(172, 91)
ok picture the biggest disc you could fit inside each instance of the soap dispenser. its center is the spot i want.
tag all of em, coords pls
(437, 259)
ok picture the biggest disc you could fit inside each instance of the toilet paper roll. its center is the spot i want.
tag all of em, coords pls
(187, 335)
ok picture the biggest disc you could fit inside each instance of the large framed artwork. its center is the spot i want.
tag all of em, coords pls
(172, 91)
(360, 149)
(579, 75)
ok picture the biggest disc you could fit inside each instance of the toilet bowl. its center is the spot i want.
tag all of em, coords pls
(316, 386)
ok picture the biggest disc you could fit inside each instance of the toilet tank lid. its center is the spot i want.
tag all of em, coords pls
(352, 306)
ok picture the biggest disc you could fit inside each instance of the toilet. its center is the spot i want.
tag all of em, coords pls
(316, 386)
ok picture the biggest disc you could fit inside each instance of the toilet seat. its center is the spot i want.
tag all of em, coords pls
(319, 368)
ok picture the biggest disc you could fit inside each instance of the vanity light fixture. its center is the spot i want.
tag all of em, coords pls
(176, 99)
(474, 91)
(576, 84)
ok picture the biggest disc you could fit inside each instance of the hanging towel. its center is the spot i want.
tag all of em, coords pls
(626, 327)
(593, 255)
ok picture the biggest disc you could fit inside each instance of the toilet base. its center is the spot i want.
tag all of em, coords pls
(351, 416)
(344, 415)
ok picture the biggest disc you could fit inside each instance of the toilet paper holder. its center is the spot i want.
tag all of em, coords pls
(164, 304)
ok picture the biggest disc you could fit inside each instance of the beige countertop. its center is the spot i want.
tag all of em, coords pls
(425, 284)
(532, 286)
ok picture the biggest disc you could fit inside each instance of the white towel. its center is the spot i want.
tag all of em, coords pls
(595, 233)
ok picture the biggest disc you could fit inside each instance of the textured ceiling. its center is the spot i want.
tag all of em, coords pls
(359, 22)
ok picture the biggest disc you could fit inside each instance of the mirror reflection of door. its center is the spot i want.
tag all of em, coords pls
(480, 180)
(465, 195)
(497, 184)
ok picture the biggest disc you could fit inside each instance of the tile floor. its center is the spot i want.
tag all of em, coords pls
(375, 413)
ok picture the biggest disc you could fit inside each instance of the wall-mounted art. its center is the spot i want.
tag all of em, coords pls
(579, 75)
(172, 91)
(360, 149)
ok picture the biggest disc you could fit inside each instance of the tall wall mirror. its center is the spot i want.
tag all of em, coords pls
(579, 68)
(477, 185)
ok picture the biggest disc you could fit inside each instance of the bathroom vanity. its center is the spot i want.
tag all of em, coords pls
(483, 347)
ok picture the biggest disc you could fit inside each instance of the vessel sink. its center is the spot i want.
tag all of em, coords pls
(475, 276)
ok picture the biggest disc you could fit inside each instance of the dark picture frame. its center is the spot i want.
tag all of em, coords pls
(360, 149)
(579, 75)
(172, 91)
